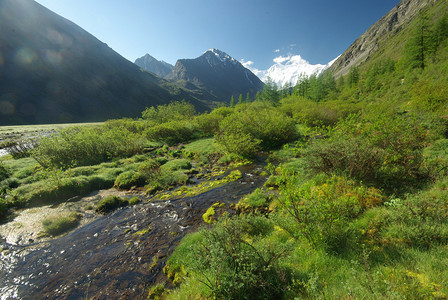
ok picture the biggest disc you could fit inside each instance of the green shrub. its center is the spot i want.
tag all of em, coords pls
(110, 203)
(174, 111)
(80, 146)
(310, 113)
(231, 262)
(383, 150)
(255, 127)
(208, 123)
(134, 126)
(172, 132)
(324, 209)
(59, 225)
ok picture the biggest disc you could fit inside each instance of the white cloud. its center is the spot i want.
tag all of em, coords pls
(281, 59)
(277, 50)
(246, 64)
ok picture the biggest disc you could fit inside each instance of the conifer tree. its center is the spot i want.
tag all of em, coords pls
(440, 31)
(419, 45)
(270, 91)
(232, 101)
(248, 100)
(240, 99)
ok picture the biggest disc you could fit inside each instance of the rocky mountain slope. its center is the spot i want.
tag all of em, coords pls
(150, 64)
(217, 73)
(368, 43)
(52, 71)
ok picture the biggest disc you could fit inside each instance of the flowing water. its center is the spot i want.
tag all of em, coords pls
(116, 256)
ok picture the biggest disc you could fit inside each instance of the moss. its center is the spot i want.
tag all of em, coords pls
(143, 232)
(191, 191)
(156, 292)
(256, 202)
(208, 217)
(134, 200)
(60, 225)
(110, 203)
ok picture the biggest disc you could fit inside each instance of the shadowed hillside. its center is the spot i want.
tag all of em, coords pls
(52, 71)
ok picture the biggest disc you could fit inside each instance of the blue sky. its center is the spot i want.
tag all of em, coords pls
(249, 30)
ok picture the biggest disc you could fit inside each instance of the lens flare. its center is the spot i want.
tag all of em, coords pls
(7, 108)
(25, 56)
(53, 57)
(59, 39)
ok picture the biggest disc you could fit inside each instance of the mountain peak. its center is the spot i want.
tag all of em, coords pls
(221, 55)
(218, 74)
(150, 64)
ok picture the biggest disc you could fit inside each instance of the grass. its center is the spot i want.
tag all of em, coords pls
(21, 129)
(110, 203)
(59, 225)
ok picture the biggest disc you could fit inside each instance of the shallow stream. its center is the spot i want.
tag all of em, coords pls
(116, 256)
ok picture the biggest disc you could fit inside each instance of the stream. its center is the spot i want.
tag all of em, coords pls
(116, 256)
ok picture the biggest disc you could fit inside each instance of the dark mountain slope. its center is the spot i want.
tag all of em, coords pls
(217, 73)
(51, 71)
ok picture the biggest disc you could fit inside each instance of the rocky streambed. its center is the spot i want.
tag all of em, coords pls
(115, 256)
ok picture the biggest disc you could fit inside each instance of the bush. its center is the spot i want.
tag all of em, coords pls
(86, 146)
(253, 128)
(311, 113)
(383, 150)
(59, 225)
(172, 133)
(174, 111)
(231, 262)
(110, 203)
(208, 124)
(323, 209)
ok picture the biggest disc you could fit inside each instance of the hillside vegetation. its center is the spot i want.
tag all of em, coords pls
(356, 204)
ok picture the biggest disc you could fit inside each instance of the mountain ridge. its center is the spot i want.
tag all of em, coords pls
(151, 64)
(370, 41)
(218, 73)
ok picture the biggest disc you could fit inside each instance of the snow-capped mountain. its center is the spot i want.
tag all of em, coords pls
(217, 73)
(288, 69)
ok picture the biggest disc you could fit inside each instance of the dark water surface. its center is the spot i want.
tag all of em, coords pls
(112, 257)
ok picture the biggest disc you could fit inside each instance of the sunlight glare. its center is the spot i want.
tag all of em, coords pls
(25, 55)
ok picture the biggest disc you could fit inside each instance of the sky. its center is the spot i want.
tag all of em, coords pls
(258, 31)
